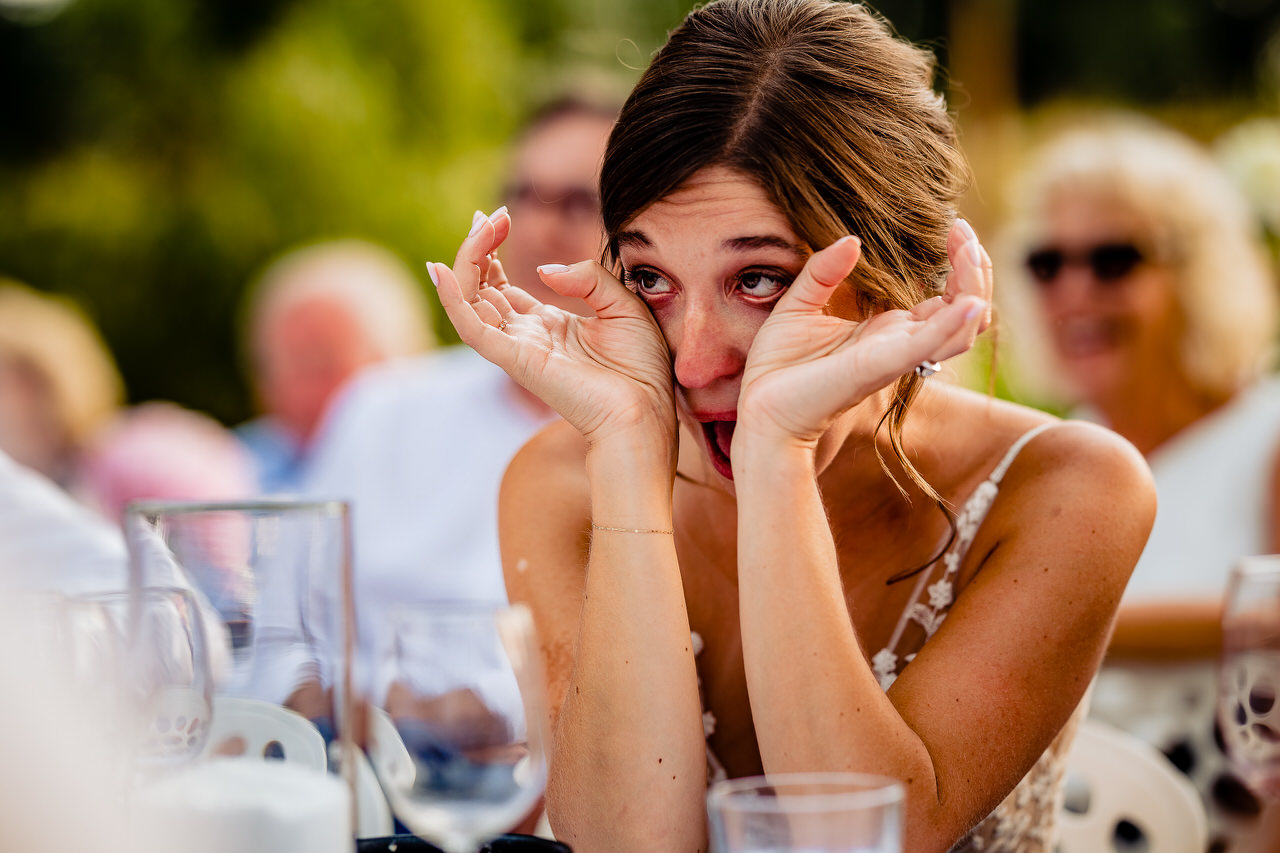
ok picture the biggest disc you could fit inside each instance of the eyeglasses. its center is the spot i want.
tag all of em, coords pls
(1109, 262)
(575, 203)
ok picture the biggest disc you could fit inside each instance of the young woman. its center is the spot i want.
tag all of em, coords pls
(738, 543)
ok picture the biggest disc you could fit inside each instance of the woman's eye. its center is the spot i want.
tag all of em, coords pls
(646, 282)
(763, 286)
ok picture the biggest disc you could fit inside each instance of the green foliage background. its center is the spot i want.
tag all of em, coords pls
(155, 153)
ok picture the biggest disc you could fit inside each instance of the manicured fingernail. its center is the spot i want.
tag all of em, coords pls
(477, 219)
(431, 271)
(975, 252)
(973, 311)
(553, 269)
(493, 217)
(967, 230)
(846, 238)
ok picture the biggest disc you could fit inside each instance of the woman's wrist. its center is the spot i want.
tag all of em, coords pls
(631, 474)
(764, 449)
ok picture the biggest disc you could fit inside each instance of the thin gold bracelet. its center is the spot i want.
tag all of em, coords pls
(595, 526)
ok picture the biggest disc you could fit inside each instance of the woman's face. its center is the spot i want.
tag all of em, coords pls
(1109, 305)
(710, 260)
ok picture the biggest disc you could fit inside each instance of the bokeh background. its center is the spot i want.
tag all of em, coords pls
(154, 154)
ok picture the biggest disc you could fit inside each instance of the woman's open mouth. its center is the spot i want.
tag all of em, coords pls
(719, 438)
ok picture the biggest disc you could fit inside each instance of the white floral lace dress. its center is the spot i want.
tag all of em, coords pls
(1026, 821)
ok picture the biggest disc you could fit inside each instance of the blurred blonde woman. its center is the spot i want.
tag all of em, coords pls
(58, 381)
(1152, 309)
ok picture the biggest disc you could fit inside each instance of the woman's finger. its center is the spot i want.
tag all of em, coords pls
(822, 274)
(498, 299)
(953, 329)
(497, 274)
(593, 284)
(519, 299)
(971, 269)
(475, 255)
(476, 322)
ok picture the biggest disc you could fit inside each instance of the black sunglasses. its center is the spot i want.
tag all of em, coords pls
(1109, 262)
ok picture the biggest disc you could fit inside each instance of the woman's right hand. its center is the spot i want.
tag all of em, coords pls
(603, 374)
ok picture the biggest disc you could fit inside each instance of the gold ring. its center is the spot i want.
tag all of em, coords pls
(502, 327)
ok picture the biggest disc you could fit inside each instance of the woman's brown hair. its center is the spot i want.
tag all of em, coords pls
(831, 114)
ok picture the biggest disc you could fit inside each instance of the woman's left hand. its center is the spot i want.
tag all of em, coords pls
(807, 366)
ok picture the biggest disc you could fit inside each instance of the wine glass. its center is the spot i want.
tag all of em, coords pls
(1249, 678)
(457, 719)
(809, 812)
(141, 658)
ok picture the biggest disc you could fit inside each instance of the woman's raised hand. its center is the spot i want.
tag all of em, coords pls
(611, 371)
(807, 366)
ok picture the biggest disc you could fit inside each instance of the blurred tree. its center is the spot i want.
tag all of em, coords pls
(155, 153)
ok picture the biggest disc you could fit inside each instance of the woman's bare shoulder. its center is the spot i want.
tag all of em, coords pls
(1078, 488)
(1075, 450)
(1068, 470)
(557, 450)
(544, 503)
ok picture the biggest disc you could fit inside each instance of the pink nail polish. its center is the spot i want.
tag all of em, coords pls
(967, 230)
(477, 219)
(553, 269)
(493, 217)
(431, 271)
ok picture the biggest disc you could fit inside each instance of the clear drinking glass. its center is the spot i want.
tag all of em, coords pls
(141, 659)
(1249, 677)
(457, 721)
(806, 813)
(273, 579)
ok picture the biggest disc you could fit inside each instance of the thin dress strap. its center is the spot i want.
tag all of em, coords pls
(930, 615)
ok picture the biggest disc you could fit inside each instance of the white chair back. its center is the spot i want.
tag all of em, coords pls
(1119, 786)
(256, 730)
(253, 729)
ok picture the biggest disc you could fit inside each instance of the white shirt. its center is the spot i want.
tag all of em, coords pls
(1213, 483)
(419, 447)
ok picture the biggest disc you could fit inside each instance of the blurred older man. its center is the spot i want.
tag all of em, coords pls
(315, 318)
(420, 446)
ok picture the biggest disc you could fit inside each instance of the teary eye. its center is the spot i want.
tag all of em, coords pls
(763, 285)
(646, 282)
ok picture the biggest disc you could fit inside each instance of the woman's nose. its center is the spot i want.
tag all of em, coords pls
(707, 349)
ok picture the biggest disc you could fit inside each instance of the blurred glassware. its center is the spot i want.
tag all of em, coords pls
(1249, 679)
(809, 812)
(142, 659)
(457, 722)
(276, 572)
(273, 580)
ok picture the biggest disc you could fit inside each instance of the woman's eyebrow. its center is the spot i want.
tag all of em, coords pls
(765, 241)
(632, 240)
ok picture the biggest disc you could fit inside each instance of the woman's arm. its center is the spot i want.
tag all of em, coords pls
(987, 694)
(628, 770)
(628, 758)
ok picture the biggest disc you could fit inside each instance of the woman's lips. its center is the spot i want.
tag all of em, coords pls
(719, 438)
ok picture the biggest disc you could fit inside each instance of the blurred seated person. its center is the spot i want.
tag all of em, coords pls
(420, 445)
(58, 382)
(314, 318)
(161, 451)
(1152, 297)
